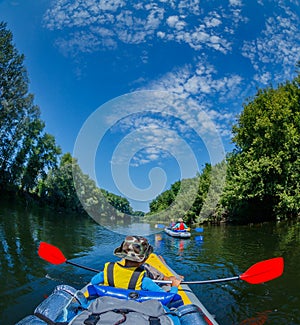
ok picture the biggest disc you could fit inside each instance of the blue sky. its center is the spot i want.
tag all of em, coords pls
(149, 90)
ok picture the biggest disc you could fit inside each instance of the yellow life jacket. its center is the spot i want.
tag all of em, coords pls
(120, 276)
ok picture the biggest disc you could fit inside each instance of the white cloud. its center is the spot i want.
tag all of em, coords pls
(278, 46)
(138, 22)
(108, 5)
(189, 6)
(212, 22)
(272, 51)
(152, 143)
(106, 23)
(210, 97)
(161, 34)
(175, 22)
(235, 3)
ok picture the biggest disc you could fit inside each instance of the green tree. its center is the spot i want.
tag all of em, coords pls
(42, 156)
(14, 102)
(58, 189)
(25, 150)
(118, 202)
(67, 187)
(263, 180)
(162, 201)
(207, 206)
(31, 131)
(205, 190)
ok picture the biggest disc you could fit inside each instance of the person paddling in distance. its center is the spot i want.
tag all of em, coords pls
(172, 223)
(130, 273)
(180, 225)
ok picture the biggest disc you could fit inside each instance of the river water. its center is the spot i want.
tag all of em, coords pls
(223, 251)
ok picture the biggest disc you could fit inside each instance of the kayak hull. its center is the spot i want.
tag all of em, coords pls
(188, 297)
(63, 304)
(177, 233)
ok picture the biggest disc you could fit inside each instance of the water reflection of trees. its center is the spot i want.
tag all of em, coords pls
(21, 231)
(289, 236)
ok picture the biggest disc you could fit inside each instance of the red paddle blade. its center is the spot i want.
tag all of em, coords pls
(264, 271)
(51, 253)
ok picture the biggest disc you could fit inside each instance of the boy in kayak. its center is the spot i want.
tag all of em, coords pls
(180, 225)
(130, 273)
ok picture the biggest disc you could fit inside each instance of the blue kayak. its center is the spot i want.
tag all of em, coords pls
(66, 305)
(177, 233)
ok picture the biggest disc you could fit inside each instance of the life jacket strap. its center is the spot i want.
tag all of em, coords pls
(134, 278)
(110, 274)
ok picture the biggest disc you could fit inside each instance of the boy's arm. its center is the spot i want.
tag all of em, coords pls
(98, 278)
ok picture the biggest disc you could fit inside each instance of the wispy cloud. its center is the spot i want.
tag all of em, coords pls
(92, 25)
(212, 33)
(277, 47)
(209, 93)
(235, 3)
(158, 134)
(116, 21)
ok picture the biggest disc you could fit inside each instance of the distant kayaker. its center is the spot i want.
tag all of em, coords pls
(180, 225)
(172, 223)
(130, 272)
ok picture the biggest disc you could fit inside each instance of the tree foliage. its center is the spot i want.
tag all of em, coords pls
(263, 180)
(68, 188)
(118, 202)
(164, 200)
(26, 151)
(193, 199)
(57, 189)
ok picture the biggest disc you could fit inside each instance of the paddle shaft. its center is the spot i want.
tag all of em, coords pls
(164, 281)
(200, 282)
(83, 267)
(258, 273)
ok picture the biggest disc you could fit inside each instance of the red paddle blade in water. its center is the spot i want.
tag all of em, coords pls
(264, 271)
(51, 253)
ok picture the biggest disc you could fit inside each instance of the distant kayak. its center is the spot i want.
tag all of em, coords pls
(177, 233)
